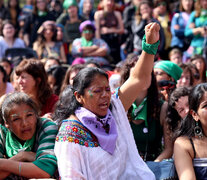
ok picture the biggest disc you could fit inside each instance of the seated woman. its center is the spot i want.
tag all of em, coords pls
(26, 141)
(190, 146)
(33, 81)
(88, 47)
(95, 140)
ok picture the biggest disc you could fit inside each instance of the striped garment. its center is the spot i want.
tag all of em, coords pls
(44, 145)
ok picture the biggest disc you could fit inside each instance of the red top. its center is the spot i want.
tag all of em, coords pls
(48, 107)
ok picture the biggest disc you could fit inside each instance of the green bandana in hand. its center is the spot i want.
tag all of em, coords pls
(85, 43)
(13, 146)
(41, 13)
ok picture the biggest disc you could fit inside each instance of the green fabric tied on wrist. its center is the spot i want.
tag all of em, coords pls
(150, 48)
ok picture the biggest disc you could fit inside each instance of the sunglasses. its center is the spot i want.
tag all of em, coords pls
(88, 31)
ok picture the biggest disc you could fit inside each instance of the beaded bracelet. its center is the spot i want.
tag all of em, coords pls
(150, 48)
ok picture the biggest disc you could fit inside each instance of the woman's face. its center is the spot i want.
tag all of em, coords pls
(27, 83)
(203, 4)
(201, 113)
(199, 64)
(51, 81)
(182, 106)
(73, 11)
(6, 66)
(108, 4)
(8, 31)
(22, 121)
(48, 32)
(145, 9)
(160, 74)
(88, 34)
(97, 96)
(87, 6)
(162, 6)
(72, 76)
(41, 5)
(13, 3)
(59, 34)
(184, 79)
(187, 5)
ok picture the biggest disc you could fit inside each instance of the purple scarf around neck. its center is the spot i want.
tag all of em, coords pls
(106, 140)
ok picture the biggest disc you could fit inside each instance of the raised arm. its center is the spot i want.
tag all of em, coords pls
(140, 78)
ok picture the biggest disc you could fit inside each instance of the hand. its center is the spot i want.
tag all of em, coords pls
(176, 27)
(27, 156)
(152, 33)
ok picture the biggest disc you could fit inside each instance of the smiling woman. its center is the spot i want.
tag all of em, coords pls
(26, 141)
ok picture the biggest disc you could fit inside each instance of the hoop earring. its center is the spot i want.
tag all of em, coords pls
(198, 130)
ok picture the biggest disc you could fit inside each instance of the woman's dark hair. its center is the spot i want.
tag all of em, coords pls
(188, 123)
(187, 68)
(138, 15)
(4, 74)
(58, 72)
(198, 56)
(67, 103)
(153, 104)
(72, 68)
(173, 118)
(5, 22)
(8, 62)
(36, 69)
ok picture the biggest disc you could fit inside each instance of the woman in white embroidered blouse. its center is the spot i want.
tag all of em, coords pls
(95, 140)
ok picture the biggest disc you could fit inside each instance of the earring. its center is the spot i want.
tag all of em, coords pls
(198, 130)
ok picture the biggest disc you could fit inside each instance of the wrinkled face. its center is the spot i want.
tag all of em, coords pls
(27, 83)
(176, 58)
(184, 79)
(187, 5)
(97, 96)
(160, 74)
(203, 4)
(182, 106)
(6, 66)
(145, 9)
(8, 31)
(22, 121)
(201, 113)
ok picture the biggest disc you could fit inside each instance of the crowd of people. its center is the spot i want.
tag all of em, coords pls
(96, 90)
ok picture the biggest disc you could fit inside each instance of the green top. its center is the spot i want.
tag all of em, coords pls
(43, 145)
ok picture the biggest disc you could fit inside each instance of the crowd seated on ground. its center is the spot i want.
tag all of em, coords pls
(48, 50)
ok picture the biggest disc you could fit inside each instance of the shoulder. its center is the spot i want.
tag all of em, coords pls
(48, 126)
(183, 142)
(98, 13)
(73, 131)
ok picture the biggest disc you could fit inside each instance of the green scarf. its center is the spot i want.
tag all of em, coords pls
(41, 13)
(85, 43)
(140, 112)
(13, 146)
(203, 16)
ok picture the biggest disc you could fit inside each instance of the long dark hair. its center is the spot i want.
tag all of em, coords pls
(188, 123)
(67, 103)
(153, 104)
(173, 118)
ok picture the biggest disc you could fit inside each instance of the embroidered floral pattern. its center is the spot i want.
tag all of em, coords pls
(74, 131)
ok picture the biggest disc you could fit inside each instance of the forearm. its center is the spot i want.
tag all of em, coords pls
(25, 169)
(87, 50)
(99, 52)
(166, 154)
